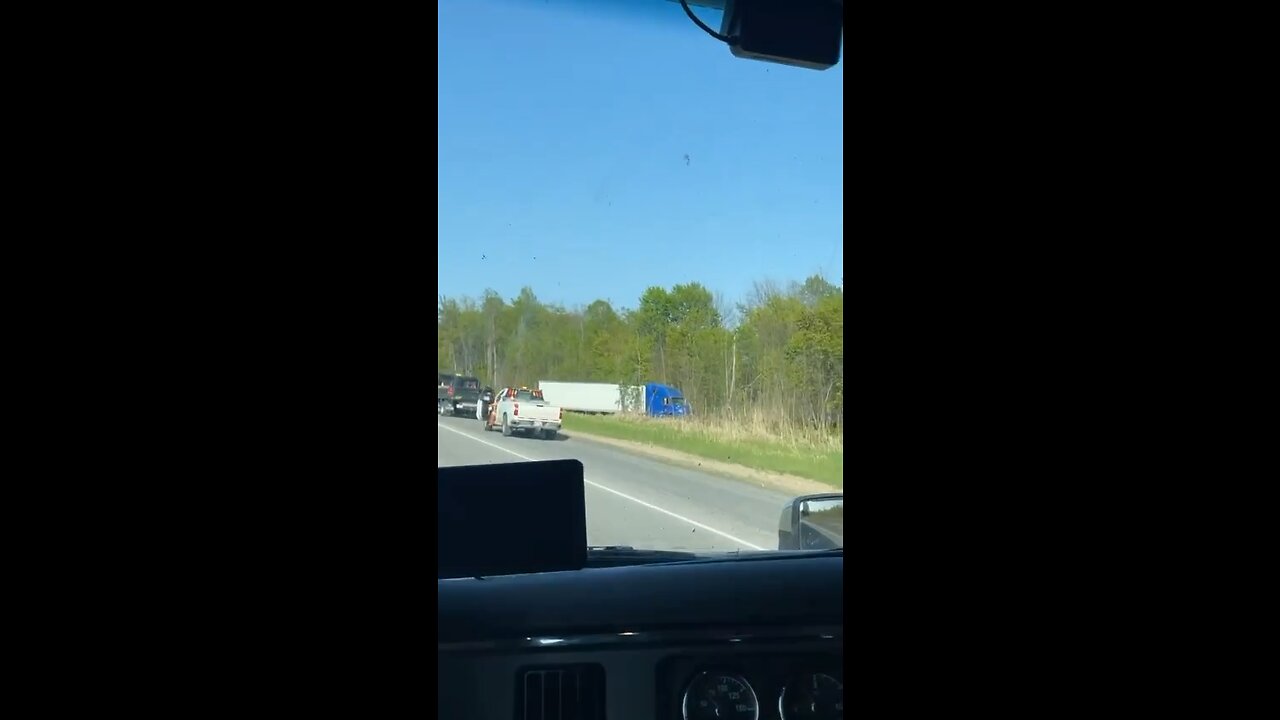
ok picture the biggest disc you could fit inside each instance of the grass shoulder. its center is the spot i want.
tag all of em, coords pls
(723, 440)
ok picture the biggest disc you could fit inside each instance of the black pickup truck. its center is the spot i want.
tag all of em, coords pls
(458, 394)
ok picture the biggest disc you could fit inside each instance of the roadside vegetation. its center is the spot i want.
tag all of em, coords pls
(764, 376)
(754, 442)
(779, 353)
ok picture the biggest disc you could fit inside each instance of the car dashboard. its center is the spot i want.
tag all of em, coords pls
(753, 638)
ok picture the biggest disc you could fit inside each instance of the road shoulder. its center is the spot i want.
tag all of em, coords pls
(789, 484)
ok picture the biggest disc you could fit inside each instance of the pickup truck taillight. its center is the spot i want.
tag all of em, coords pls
(450, 392)
(516, 411)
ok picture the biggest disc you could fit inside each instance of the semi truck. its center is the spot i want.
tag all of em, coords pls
(664, 400)
(654, 399)
(593, 397)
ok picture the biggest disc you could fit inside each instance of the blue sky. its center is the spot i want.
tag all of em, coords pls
(593, 148)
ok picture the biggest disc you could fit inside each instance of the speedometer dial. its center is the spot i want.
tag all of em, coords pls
(816, 696)
(720, 696)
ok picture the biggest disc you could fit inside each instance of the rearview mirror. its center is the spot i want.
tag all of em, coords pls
(803, 33)
(812, 522)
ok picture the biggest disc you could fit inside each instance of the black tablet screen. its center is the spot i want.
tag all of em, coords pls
(511, 518)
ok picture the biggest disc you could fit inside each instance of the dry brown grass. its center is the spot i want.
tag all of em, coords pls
(746, 426)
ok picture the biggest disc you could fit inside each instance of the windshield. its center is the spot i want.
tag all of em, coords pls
(469, 383)
(650, 229)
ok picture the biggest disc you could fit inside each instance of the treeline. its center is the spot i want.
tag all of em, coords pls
(778, 354)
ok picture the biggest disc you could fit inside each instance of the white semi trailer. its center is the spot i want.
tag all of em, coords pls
(593, 397)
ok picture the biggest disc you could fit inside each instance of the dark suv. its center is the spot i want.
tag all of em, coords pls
(458, 394)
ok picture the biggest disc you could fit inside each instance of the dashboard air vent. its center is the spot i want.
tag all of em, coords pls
(561, 692)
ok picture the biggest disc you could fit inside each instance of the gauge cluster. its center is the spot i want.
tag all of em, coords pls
(751, 687)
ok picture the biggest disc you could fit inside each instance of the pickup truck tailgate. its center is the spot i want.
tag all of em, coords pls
(527, 410)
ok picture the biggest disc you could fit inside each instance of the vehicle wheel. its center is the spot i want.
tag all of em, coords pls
(506, 428)
(440, 408)
(548, 434)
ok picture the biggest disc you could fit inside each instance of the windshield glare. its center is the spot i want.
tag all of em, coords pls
(646, 232)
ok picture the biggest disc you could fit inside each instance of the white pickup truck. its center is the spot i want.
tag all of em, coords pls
(523, 409)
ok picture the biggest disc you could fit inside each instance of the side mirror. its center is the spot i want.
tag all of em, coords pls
(812, 522)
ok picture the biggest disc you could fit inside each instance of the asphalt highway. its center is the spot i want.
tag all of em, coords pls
(631, 499)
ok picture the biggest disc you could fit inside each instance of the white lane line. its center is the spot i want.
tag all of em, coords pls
(637, 501)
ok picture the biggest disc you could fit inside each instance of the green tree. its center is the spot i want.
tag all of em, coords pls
(783, 359)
